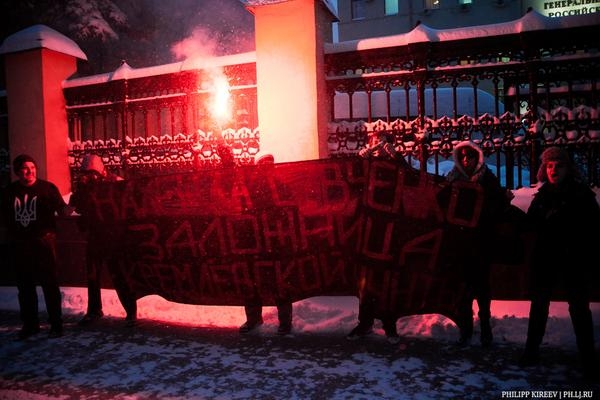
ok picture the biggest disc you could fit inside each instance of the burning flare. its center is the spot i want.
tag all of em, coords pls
(220, 100)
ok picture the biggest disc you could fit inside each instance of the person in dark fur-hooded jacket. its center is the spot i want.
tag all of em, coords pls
(565, 216)
(479, 206)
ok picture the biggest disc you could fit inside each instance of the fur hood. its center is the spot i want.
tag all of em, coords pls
(457, 172)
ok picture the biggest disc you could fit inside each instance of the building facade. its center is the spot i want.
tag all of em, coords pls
(359, 19)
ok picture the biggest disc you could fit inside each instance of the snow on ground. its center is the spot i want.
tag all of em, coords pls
(180, 351)
(183, 351)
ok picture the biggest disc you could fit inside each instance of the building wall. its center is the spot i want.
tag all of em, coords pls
(36, 111)
(449, 14)
(289, 38)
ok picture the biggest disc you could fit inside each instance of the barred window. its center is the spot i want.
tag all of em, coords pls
(359, 9)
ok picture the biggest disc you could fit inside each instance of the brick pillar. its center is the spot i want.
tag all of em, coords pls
(293, 106)
(37, 60)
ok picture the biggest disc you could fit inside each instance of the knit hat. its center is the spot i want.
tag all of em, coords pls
(553, 154)
(92, 162)
(20, 160)
(382, 136)
(264, 158)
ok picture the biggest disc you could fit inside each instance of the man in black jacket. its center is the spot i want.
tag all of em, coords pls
(565, 216)
(29, 206)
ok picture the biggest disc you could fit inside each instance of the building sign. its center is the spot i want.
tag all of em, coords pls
(565, 8)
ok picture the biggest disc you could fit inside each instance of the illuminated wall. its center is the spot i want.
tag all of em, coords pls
(34, 80)
(289, 60)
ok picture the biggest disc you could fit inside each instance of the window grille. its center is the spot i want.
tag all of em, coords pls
(359, 9)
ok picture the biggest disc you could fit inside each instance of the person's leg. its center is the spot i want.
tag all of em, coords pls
(27, 294)
(366, 317)
(366, 311)
(484, 314)
(126, 296)
(253, 310)
(483, 294)
(581, 318)
(94, 270)
(538, 317)
(94, 266)
(469, 270)
(284, 314)
(26, 286)
(465, 311)
(130, 305)
(47, 272)
(389, 326)
(465, 319)
(28, 301)
(543, 278)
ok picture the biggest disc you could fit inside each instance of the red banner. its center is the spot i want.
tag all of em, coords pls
(291, 230)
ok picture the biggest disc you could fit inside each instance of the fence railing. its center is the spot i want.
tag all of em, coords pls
(513, 94)
(158, 120)
(510, 143)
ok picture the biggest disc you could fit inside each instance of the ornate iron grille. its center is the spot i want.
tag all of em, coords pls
(543, 87)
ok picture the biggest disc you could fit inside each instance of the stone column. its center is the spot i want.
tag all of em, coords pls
(293, 109)
(37, 60)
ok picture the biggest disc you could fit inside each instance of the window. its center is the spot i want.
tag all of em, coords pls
(464, 5)
(432, 4)
(112, 125)
(359, 9)
(391, 7)
(87, 129)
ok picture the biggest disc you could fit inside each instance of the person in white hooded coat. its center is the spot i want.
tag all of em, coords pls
(101, 245)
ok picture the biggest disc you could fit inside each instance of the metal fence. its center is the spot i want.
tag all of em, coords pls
(514, 94)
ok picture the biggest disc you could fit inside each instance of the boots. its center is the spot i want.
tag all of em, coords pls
(538, 316)
(465, 325)
(486, 328)
(284, 314)
(466, 332)
(581, 318)
(253, 318)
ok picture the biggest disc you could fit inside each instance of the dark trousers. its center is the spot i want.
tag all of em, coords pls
(581, 318)
(366, 314)
(284, 312)
(94, 274)
(477, 287)
(99, 255)
(126, 295)
(35, 262)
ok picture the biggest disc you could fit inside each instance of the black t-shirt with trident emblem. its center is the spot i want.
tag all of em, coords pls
(29, 211)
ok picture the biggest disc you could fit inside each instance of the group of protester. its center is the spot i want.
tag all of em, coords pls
(562, 207)
(563, 217)
(29, 206)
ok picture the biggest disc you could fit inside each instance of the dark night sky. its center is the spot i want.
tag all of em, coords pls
(150, 30)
